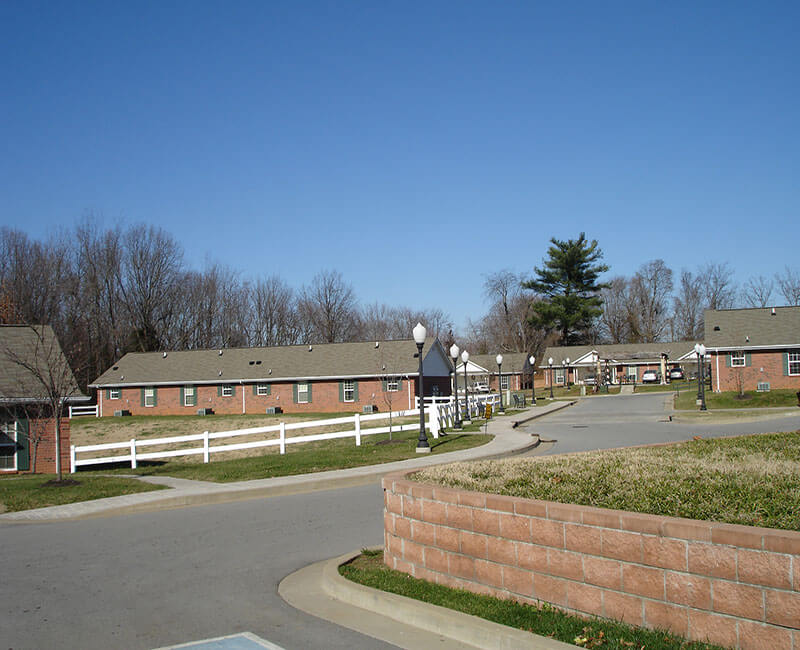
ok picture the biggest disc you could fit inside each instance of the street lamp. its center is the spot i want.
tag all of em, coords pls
(454, 354)
(467, 414)
(697, 354)
(419, 338)
(532, 359)
(566, 372)
(550, 363)
(499, 359)
(700, 349)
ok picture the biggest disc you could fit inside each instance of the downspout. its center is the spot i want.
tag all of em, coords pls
(716, 361)
(241, 383)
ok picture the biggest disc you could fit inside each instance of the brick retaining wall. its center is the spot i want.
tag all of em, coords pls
(737, 586)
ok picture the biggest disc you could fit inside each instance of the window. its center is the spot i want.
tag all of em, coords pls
(738, 360)
(189, 396)
(392, 385)
(302, 393)
(794, 363)
(227, 390)
(632, 373)
(262, 389)
(114, 393)
(559, 375)
(8, 446)
(349, 390)
(504, 382)
(150, 396)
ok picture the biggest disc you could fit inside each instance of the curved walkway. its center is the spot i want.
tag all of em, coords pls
(509, 439)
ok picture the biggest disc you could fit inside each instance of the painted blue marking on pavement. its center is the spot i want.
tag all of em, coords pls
(243, 641)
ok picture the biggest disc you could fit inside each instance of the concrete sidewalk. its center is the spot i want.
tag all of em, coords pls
(509, 440)
(321, 591)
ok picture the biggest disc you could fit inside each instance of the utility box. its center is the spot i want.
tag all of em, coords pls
(273, 410)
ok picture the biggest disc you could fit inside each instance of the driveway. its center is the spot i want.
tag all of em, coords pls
(625, 420)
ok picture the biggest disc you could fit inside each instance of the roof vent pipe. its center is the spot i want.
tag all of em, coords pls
(164, 355)
(773, 311)
(220, 353)
(309, 348)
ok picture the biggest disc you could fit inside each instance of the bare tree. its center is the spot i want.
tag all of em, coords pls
(688, 308)
(614, 323)
(648, 302)
(44, 377)
(329, 309)
(151, 268)
(719, 290)
(274, 313)
(757, 291)
(789, 286)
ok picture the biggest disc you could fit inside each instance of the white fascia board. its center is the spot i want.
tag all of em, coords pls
(586, 358)
(734, 348)
(262, 380)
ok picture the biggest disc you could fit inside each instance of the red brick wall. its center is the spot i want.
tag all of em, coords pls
(732, 585)
(46, 453)
(324, 398)
(765, 365)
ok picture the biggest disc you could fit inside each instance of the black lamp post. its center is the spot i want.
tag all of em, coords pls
(454, 354)
(701, 354)
(467, 414)
(532, 359)
(499, 359)
(699, 370)
(550, 363)
(419, 338)
(566, 372)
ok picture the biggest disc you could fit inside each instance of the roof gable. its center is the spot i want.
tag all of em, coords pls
(770, 326)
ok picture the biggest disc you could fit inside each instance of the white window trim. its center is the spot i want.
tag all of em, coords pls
(559, 375)
(12, 433)
(738, 359)
(302, 395)
(227, 390)
(149, 395)
(392, 385)
(349, 386)
(262, 389)
(504, 382)
(192, 394)
(114, 393)
(795, 361)
(632, 371)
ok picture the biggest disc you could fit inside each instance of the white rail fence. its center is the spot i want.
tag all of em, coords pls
(75, 411)
(476, 406)
(436, 421)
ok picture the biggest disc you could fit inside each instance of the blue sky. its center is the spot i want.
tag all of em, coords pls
(415, 147)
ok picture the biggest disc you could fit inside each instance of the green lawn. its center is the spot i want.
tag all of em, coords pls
(749, 480)
(545, 620)
(731, 400)
(306, 458)
(26, 492)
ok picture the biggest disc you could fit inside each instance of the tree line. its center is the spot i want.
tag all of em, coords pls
(108, 291)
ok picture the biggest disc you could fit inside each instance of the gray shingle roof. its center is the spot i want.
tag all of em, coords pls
(291, 362)
(36, 347)
(632, 352)
(733, 327)
(513, 362)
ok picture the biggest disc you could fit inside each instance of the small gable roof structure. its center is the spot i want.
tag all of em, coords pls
(28, 351)
(327, 361)
(620, 353)
(769, 327)
(513, 363)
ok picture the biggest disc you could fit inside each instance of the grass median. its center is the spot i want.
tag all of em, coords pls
(368, 569)
(732, 400)
(42, 490)
(750, 480)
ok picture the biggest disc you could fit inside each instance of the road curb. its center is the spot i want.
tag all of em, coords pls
(463, 629)
(552, 409)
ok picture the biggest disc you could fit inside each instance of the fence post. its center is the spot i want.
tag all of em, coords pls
(433, 420)
(358, 429)
(283, 437)
(133, 453)
(72, 459)
(70, 412)
(205, 447)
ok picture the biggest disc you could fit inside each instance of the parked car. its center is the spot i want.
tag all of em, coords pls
(480, 387)
(676, 373)
(651, 376)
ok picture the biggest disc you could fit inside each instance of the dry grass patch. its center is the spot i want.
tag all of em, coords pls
(750, 480)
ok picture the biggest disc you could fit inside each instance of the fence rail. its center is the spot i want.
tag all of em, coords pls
(75, 411)
(437, 415)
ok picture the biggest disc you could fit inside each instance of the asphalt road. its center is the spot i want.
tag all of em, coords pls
(625, 420)
(156, 579)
